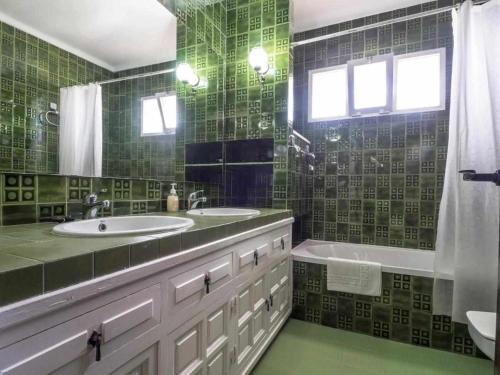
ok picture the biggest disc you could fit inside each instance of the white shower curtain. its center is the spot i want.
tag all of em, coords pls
(80, 140)
(467, 235)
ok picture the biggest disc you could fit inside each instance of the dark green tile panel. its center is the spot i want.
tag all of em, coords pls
(144, 251)
(20, 278)
(403, 312)
(111, 260)
(61, 273)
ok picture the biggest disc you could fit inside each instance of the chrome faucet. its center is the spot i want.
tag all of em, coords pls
(194, 198)
(91, 205)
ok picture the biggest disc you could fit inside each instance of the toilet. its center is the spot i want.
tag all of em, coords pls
(482, 326)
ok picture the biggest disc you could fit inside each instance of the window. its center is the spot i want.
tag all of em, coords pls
(419, 81)
(328, 93)
(378, 85)
(370, 88)
(159, 115)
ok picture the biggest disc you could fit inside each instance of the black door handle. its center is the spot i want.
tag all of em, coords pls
(95, 341)
(207, 283)
(256, 257)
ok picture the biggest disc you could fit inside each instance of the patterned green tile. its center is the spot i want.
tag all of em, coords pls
(402, 313)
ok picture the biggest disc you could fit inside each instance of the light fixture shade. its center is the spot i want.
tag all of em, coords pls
(257, 59)
(186, 74)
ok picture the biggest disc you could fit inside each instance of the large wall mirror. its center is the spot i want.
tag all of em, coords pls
(88, 88)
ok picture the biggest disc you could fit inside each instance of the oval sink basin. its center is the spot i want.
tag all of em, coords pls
(122, 225)
(223, 212)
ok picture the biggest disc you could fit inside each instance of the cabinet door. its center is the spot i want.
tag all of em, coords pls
(145, 363)
(244, 340)
(201, 345)
(259, 308)
(185, 348)
(274, 289)
(217, 333)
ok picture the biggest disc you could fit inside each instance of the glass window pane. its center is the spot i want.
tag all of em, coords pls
(329, 94)
(418, 82)
(151, 117)
(370, 85)
(169, 110)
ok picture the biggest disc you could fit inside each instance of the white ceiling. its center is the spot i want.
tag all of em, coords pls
(311, 14)
(115, 34)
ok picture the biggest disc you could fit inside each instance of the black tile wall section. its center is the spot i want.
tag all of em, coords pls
(402, 313)
(125, 151)
(377, 180)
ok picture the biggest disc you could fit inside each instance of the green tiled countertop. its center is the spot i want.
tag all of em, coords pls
(34, 261)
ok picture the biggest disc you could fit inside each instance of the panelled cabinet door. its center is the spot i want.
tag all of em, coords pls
(244, 342)
(218, 335)
(145, 363)
(260, 304)
(185, 348)
(201, 345)
(274, 289)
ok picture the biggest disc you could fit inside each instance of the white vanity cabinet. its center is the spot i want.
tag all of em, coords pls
(212, 313)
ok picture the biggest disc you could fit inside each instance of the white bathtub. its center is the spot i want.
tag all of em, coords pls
(393, 259)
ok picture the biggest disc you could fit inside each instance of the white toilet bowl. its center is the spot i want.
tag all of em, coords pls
(482, 327)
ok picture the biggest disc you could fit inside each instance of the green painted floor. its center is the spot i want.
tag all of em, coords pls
(304, 348)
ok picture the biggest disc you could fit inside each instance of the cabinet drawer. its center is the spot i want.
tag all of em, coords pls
(251, 255)
(66, 344)
(192, 285)
(282, 243)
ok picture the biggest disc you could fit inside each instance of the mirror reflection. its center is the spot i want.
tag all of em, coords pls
(94, 84)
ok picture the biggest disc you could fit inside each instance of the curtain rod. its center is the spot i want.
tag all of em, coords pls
(141, 75)
(381, 24)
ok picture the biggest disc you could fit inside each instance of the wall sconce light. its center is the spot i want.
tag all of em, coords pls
(259, 62)
(187, 75)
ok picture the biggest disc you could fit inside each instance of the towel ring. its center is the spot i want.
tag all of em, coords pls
(46, 116)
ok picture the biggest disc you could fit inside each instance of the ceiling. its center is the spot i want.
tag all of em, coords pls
(311, 14)
(115, 34)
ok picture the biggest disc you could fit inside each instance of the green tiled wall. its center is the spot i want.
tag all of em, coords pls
(403, 312)
(377, 180)
(253, 110)
(30, 198)
(201, 42)
(125, 152)
(32, 71)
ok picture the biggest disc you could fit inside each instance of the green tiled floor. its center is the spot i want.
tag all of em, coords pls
(306, 348)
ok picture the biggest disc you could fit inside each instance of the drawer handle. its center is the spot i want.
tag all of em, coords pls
(271, 299)
(267, 305)
(95, 341)
(282, 243)
(256, 257)
(207, 283)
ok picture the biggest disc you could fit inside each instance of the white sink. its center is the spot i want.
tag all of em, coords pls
(223, 212)
(122, 225)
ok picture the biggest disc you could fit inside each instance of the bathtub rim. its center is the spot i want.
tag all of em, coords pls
(299, 254)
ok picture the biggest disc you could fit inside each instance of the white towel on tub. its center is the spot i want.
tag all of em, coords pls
(354, 276)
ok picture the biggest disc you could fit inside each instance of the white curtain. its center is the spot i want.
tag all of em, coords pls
(467, 246)
(80, 133)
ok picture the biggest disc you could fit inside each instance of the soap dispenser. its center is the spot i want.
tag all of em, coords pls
(173, 200)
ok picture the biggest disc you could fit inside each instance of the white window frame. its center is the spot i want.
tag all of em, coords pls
(390, 109)
(442, 77)
(372, 111)
(166, 131)
(309, 96)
